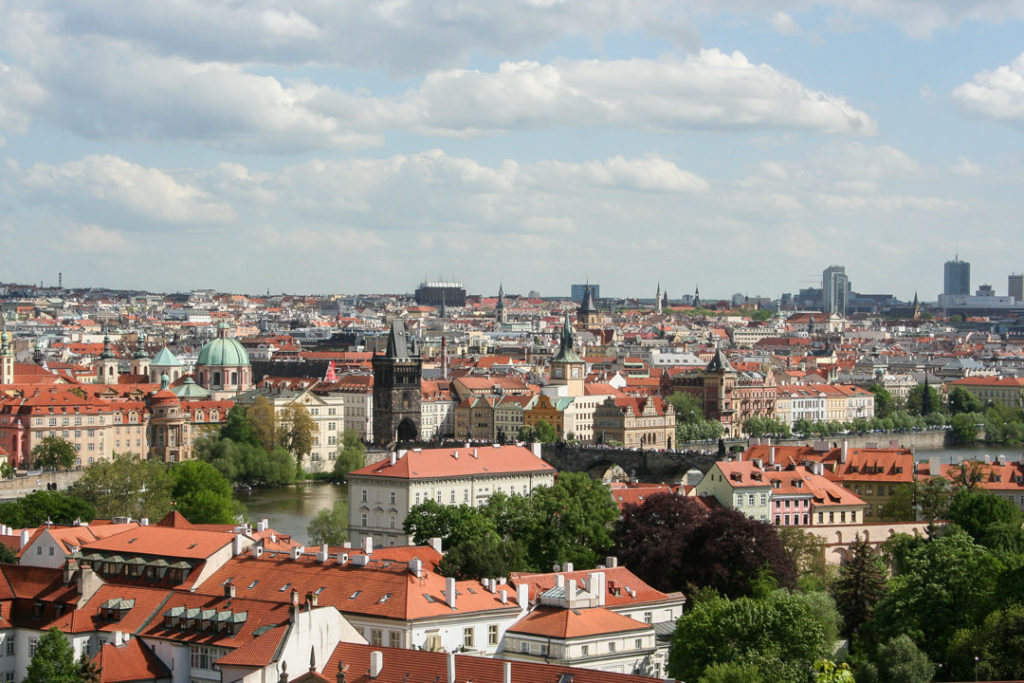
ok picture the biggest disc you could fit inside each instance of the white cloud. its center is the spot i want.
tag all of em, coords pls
(94, 239)
(997, 94)
(19, 95)
(785, 24)
(110, 180)
(966, 168)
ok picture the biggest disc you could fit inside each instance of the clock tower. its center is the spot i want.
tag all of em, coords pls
(567, 368)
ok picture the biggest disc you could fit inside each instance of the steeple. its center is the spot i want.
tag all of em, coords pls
(696, 297)
(499, 310)
(140, 359)
(567, 368)
(657, 300)
(107, 370)
(917, 307)
(587, 313)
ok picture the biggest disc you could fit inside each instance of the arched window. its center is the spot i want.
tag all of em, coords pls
(216, 378)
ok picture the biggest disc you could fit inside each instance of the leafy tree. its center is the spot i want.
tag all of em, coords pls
(899, 660)
(779, 635)
(962, 402)
(475, 558)
(731, 672)
(968, 474)
(575, 518)
(545, 432)
(764, 426)
(525, 434)
(977, 511)
(688, 407)
(923, 399)
(965, 426)
(672, 544)
(807, 551)
(942, 585)
(126, 486)
(885, 404)
(237, 427)
(998, 644)
(351, 455)
(202, 494)
(262, 423)
(827, 671)
(88, 670)
(296, 430)
(41, 506)
(54, 660)
(7, 556)
(860, 586)
(901, 505)
(53, 452)
(6, 471)
(330, 525)
(249, 463)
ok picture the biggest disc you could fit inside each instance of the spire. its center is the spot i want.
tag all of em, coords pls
(657, 299)
(140, 350)
(107, 351)
(565, 347)
(587, 305)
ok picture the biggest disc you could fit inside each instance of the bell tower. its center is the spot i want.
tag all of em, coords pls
(107, 366)
(396, 390)
(567, 368)
(6, 356)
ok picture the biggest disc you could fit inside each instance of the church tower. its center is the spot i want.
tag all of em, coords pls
(696, 297)
(107, 366)
(567, 368)
(500, 314)
(6, 357)
(140, 359)
(396, 390)
(588, 314)
(657, 300)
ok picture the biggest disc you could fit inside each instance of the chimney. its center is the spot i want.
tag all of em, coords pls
(368, 545)
(259, 551)
(342, 559)
(988, 459)
(263, 524)
(88, 584)
(935, 466)
(450, 591)
(435, 543)
(322, 555)
(523, 596)
(376, 663)
(602, 592)
(24, 538)
(845, 452)
(771, 455)
(1002, 459)
(295, 596)
(559, 580)
(611, 562)
(451, 667)
(504, 596)
(568, 567)
(416, 567)
(296, 552)
(144, 521)
(119, 638)
(229, 590)
(236, 545)
(570, 594)
(536, 448)
(507, 671)
(394, 458)
(70, 567)
(474, 453)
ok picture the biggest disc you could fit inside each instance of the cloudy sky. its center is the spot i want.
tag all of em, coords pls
(360, 145)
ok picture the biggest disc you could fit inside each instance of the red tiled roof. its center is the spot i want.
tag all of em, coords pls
(556, 622)
(457, 462)
(132, 662)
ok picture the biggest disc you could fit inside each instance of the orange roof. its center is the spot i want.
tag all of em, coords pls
(457, 462)
(617, 579)
(555, 622)
(164, 542)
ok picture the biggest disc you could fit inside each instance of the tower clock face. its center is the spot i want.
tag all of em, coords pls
(575, 373)
(558, 371)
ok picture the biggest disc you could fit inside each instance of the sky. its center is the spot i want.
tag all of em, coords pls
(364, 145)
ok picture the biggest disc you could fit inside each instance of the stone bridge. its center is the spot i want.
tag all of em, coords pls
(646, 466)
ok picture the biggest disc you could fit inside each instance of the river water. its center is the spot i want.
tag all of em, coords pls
(289, 509)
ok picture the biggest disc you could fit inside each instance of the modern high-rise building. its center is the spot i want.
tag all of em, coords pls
(437, 293)
(1016, 286)
(957, 277)
(835, 290)
(579, 290)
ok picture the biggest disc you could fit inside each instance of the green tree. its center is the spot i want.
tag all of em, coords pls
(731, 672)
(807, 551)
(942, 585)
(262, 423)
(296, 430)
(860, 586)
(56, 453)
(40, 507)
(764, 426)
(885, 404)
(575, 518)
(202, 494)
(126, 486)
(525, 433)
(7, 556)
(688, 407)
(827, 671)
(778, 634)
(545, 432)
(962, 402)
(351, 455)
(330, 525)
(88, 670)
(923, 399)
(53, 661)
(901, 506)
(977, 511)
(899, 660)
(237, 427)
(965, 427)
(998, 644)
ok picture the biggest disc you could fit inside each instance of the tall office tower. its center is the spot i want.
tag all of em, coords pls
(1016, 286)
(835, 290)
(957, 277)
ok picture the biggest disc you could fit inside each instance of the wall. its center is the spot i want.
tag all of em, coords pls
(648, 466)
(12, 489)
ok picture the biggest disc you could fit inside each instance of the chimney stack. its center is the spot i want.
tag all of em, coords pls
(523, 596)
(451, 667)
(229, 590)
(771, 455)
(25, 536)
(368, 545)
(507, 671)
(376, 663)
(568, 567)
(416, 567)
(322, 555)
(845, 452)
(435, 543)
(450, 591)
(570, 594)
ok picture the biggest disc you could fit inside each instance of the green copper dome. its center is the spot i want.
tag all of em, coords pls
(223, 352)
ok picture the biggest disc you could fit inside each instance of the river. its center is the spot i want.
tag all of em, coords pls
(289, 508)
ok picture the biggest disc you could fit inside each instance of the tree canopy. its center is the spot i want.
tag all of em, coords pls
(203, 495)
(38, 507)
(53, 452)
(126, 486)
(330, 525)
(351, 455)
(53, 661)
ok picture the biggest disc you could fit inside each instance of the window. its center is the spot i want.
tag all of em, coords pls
(393, 522)
(392, 497)
(492, 634)
(452, 501)
(438, 496)
(394, 637)
(611, 646)
(585, 650)
(842, 515)
(467, 637)
(524, 646)
(364, 519)
(648, 618)
(750, 499)
(9, 645)
(376, 637)
(364, 495)
(639, 644)
(831, 517)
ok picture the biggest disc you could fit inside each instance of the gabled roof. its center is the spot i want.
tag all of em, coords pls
(132, 662)
(457, 462)
(556, 622)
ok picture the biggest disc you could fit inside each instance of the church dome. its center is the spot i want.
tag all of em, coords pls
(222, 352)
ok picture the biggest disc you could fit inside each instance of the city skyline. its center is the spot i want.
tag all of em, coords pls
(733, 145)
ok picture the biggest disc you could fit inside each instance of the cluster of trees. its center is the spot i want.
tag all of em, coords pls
(690, 422)
(544, 432)
(568, 522)
(764, 607)
(132, 487)
(256, 447)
